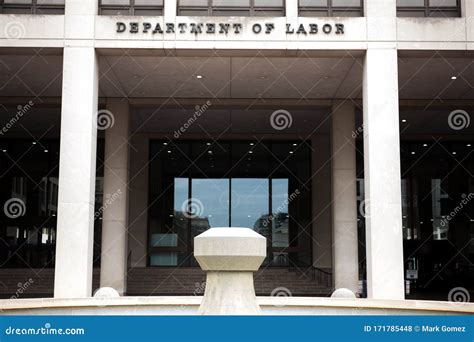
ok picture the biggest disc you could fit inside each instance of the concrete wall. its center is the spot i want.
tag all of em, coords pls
(411, 33)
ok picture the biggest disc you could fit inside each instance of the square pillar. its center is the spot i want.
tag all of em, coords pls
(383, 209)
(114, 252)
(138, 218)
(344, 197)
(291, 9)
(321, 202)
(77, 173)
(170, 8)
(381, 16)
(79, 19)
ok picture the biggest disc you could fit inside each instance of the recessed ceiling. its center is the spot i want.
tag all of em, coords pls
(40, 76)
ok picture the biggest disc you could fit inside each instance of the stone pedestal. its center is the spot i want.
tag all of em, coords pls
(230, 256)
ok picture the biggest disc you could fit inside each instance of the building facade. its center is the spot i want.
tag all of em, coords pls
(338, 129)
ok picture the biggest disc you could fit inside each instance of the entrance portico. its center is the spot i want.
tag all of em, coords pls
(296, 114)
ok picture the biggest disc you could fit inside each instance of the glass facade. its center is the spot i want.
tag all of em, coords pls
(29, 198)
(331, 8)
(438, 215)
(429, 8)
(261, 185)
(131, 7)
(32, 6)
(244, 8)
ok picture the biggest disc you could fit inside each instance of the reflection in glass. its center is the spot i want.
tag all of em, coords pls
(250, 203)
(439, 199)
(280, 237)
(208, 204)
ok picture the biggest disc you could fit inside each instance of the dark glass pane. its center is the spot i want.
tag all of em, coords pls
(139, 11)
(250, 203)
(314, 13)
(230, 13)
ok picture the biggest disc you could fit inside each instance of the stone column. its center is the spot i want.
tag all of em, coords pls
(344, 196)
(467, 7)
(321, 203)
(383, 215)
(138, 218)
(114, 252)
(77, 169)
(291, 9)
(230, 256)
(381, 16)
(169, 10)
(80, 20)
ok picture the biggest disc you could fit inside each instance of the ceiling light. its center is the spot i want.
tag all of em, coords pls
(413, 152)
(263, 77)
(250, 152)
(291, 152)
(34, 142)
(454, 153)
(251, 144)
(169, 151)
(454, 78)
(425, 145)
(4, 151)
(468, 145)
(210, 152)
(295, 144)
(208, 144)
(46, 151)
(199, 77)
(404, 120)
(165, 144)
